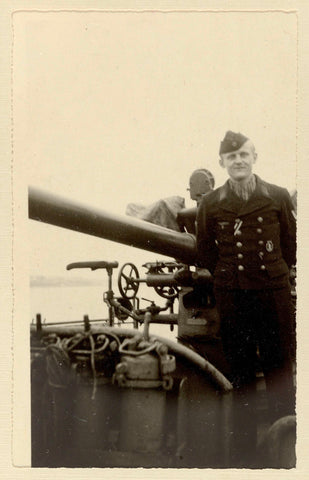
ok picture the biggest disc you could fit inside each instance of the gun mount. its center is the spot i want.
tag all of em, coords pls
(170, 280)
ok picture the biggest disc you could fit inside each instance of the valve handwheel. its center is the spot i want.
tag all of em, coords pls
(127, 280)
(167, 291)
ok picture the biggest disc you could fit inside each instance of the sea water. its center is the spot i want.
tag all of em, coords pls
(70, 303)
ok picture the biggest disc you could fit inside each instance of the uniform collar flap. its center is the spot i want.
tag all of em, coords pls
(228, 200)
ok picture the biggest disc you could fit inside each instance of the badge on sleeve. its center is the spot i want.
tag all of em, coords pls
(269, 246)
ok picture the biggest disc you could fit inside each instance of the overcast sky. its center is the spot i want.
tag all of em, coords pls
(112, 108)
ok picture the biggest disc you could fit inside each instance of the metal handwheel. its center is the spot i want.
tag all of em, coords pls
(128, 280)
(167, 291)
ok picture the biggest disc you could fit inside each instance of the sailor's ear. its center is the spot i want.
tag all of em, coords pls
(221, 162)
(255, 156)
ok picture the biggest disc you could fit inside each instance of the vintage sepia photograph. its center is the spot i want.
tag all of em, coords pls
(155, 192)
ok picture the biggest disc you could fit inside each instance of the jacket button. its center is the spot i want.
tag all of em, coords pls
(238, 232)
(263, 267)
(261, 242)
(240, 255)
(239, 244)
(259, 230)
(261, 254)
(241, 268)
(260, 219)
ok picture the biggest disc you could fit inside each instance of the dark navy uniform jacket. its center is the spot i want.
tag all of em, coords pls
(247, 244)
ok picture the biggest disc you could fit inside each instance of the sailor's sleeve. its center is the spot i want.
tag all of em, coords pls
(288, 229)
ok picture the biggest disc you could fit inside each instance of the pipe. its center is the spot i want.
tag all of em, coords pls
(177, 348)
(62, 212)
(160, 280)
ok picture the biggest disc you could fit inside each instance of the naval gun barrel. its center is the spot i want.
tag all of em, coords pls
(62, 212)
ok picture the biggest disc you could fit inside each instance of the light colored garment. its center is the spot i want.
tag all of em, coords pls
(163, 212)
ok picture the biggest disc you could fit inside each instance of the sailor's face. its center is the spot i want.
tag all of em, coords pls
(239, 164)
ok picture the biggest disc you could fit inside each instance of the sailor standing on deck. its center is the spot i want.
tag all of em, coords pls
(246, 238)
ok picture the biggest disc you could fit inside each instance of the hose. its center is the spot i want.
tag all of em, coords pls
(220, 380)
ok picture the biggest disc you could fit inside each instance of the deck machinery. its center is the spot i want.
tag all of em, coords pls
(105, 395)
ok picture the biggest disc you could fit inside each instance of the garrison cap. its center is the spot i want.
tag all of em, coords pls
(232, 142)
